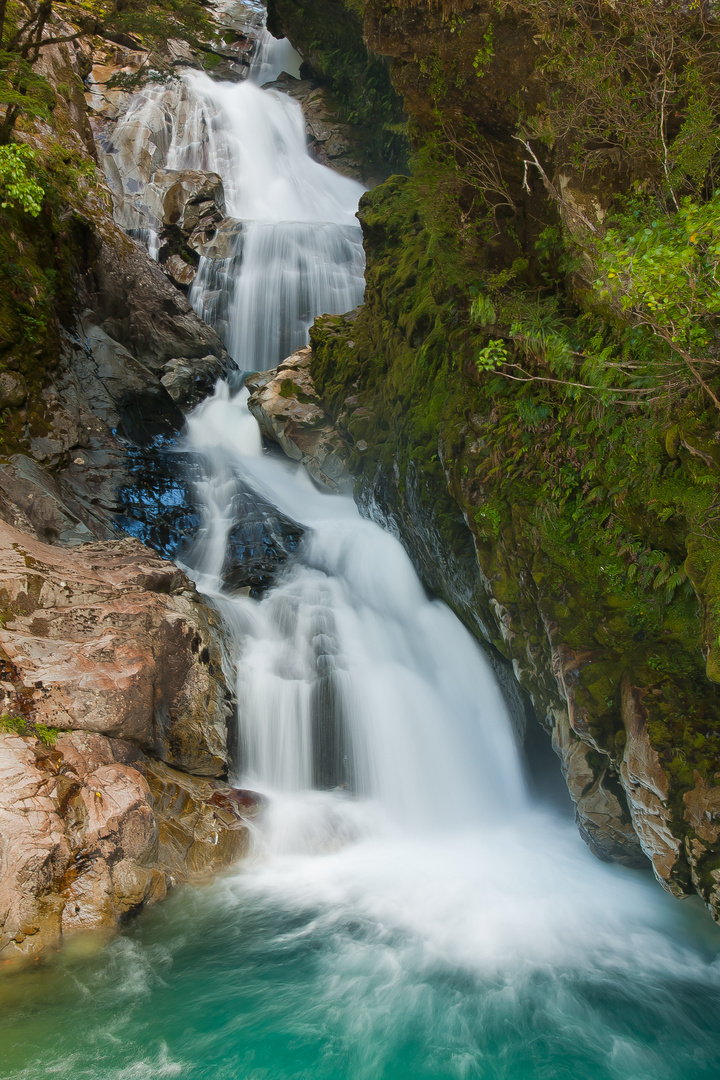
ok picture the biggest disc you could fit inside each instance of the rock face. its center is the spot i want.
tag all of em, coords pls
(91, 830)
(111, 639)
(286, 406)
(112, 736)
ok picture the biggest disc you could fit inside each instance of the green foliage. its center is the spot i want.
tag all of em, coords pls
(482, 310)
(156, 21)
(492, 355)
(12, 725)
(485, 53)
(631, 84)
(663, 269)
(22, 91)
(47, 735)
(577, 485)
(17, 725)
(17, 186)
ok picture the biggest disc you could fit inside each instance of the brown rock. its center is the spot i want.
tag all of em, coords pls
(288, 409)
(646, 787)
(109, 638)
(13, 389)
(182, 273)
(189, 381)
(91, 830)
(703, 809)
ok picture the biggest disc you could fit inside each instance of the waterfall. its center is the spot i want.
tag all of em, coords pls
(407, 909)
(349, 677)
(300, 250)
(292, 242)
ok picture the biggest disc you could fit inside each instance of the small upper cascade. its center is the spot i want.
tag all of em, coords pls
(299, 253)
(272, 56)
(279, 245)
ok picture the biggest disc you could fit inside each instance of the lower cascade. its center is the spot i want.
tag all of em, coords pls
(409, 909)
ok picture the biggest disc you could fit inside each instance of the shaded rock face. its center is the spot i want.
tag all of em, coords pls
(92, 830)
(260, 541)
(111, 639)
(288, 410)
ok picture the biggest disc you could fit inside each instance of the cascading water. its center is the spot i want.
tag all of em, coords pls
(347, 675)
(299, 253)
(408, 911)
(292, 243)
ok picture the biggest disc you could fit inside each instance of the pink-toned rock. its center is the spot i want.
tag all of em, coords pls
(108, 637)
(703, 809)
(646, 787)
(91, 829)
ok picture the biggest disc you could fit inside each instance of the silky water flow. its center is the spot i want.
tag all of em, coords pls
(407, 912)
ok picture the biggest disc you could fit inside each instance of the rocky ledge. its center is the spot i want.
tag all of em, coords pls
(113, 739)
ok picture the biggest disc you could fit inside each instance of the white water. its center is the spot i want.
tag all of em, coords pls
(297, 252)
(300, 249)
(414, 700)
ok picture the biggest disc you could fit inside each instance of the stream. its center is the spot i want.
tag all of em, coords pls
(409, 909)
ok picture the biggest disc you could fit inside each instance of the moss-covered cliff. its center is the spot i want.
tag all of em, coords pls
(540, 440)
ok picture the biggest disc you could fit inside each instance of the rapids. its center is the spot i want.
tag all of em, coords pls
(408, 910)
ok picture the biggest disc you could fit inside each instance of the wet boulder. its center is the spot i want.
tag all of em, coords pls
(188, 198)
(288, 409)
(188, 381)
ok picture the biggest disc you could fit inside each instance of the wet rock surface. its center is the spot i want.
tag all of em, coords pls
(288, 409)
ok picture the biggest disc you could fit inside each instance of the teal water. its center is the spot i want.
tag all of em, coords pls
(387, 959)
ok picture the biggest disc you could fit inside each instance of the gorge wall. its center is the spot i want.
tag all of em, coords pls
(527, 431)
